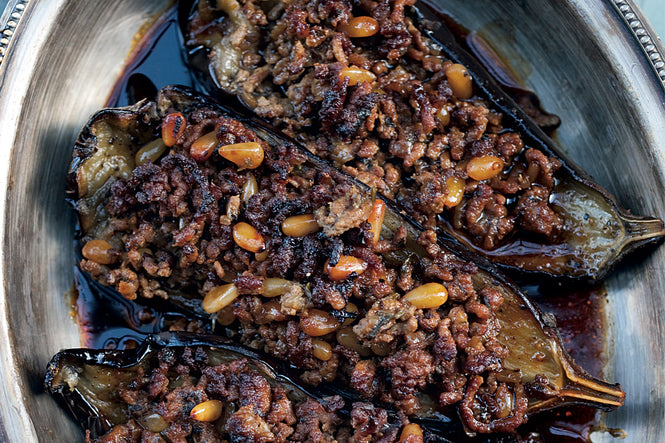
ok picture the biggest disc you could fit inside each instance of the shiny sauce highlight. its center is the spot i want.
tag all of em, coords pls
(108, 320)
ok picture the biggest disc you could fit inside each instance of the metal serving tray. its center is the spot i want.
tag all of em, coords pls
(593, 62)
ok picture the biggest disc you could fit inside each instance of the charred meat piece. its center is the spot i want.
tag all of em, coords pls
(300, 261)
(182, 387)
(383, 91)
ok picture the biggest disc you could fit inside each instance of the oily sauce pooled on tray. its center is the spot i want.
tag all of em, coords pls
(108, 320)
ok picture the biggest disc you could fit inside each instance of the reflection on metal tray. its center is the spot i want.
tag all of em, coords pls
(62, 61)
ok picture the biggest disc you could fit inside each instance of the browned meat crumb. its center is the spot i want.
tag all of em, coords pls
(403, 128)
(252, 410)
(172, 234)
(344, 213)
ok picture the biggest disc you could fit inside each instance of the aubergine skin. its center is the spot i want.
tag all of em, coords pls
(592, 233)
(151, 391)
(599, 233)
(530, 357)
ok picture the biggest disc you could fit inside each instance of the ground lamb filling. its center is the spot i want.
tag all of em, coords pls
(181, 395)
(359, 84)
(331, 298)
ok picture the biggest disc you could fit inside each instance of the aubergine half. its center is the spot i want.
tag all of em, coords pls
(179, 200)
(186, 387)
(383, 91)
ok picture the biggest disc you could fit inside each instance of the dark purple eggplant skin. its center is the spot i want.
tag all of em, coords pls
(81, 405)
(647, 230)
(598, 235)
(523, 324)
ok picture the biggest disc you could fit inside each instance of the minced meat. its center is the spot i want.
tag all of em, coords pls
(160, 399)
(401, 125)
(330, 302)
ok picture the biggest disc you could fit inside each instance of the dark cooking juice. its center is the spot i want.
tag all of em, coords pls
(107, 320)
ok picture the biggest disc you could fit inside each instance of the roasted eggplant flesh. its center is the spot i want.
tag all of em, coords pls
(180, 387)
(384, 92)
(293, 258)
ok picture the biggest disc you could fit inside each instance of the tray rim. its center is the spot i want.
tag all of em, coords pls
(12, 25)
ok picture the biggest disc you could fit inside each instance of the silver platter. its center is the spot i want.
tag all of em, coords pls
(595, 63)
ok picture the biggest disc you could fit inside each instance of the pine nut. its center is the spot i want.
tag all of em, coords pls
(427, 296)
(316, 323)
(381, 348)
(411, 433)
(150, 152)
(459, 81)
(244, 155)
(346, 266)
(271, 312)
(203, 147)
(272, 287)
(261, 256)
(358, 27)
(207, 411)
(376, 218)
(247, 237)
(484, 168)
(99, 251)
(219, 297)
(154, 423)
(454, 191)
(226, 316)
(321, 350)
(357, 75)
(352, 309)
(300, 225)
(173, 128)
(443, 115)
(347, 338)
(250, 188)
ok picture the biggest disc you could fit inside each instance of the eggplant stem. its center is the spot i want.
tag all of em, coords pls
(579, 387)
(639, 229)
(586, 398)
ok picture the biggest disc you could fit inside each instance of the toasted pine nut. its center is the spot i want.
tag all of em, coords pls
(261, 256)
(505, 401)
(208, 411)
(443, 115)
(226, 316)
(173, 127)
(150, 152)
(250, 188)
(321, 349)
(346, 266)
(270, 312)
(376, 218)
(315, 323)
(381, 348)
(459, 81)
(454, 191)
(350, 308)
(411, 433)
(300, 225)
(219, 297)
(347, 338)
(244, 155)
(272, 287)
(203, 147)
(99, 251)
(154, 423)
(247, 237)
(363, 26)
(357, 75)
(429, 295)
(484, 168)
